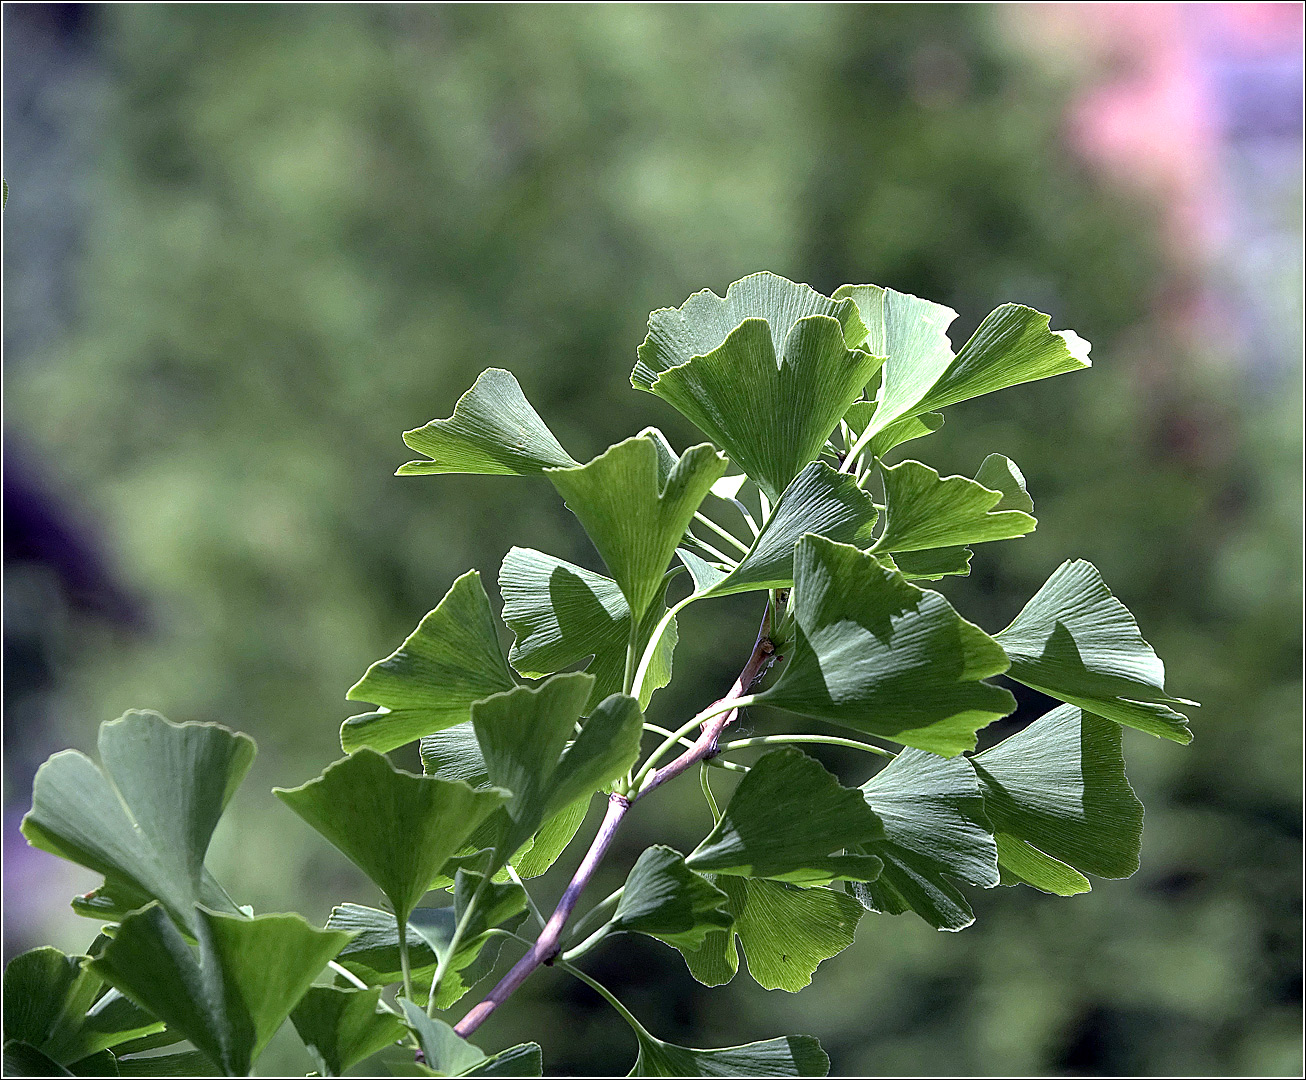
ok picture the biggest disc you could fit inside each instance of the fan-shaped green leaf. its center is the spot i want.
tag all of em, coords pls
(1012, 345)
(563, 613)
(445, 1052)
(1000, 473)
(786, 932)
(230, 998)
(636, 519)
(493, 430)
(923, 511)
(340, 1027)
(784, 820)
(912, 335)
(452, 659)
(705, 320)
(664, 899)
(876, 654)
(819, 501)
(54, 1004)
(1076, 642)
(144, 817)
(524, 738)
(931, 564)
(935, 834)
(1060, 803)
(771, 411)
(398, 828)
(792, 1055)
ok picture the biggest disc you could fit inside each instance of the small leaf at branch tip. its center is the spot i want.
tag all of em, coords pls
(634, 515)
(493, 429)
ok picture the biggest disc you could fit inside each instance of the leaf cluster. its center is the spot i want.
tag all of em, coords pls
(802, 399)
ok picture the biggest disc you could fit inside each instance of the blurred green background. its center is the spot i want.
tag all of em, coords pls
(248, 247)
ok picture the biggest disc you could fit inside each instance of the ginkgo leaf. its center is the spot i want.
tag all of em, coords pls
(524, 736)
(54, 1004)
(785, 819)
(1060, 803)
(786, 933)
(144, 817)
(875, 653)
(634, 517)
(819, 501)
(395, 826)
(705, 320)
(1076, 642)
(442, 1048)
(1012, 345)
(859, 416)
(1000, 473)
(561, 614)
(454, 754)
(452, 659)
(341, 1026)
(932, 564)
(924, 511)
(771, 411)
(493, 429)
(229, 999)
(935, 835)
(664, 899)
(792, 1055)
(912, 335)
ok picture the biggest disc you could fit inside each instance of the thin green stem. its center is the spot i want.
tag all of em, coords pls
(596, 913)
(458, 931)
(725, 534)
(588, 944)
(707, 792)
(606, 994)
(721, 555)
(725, 706)
(715, 763)
(827, 740)
(641, 672)
(530, 903)
(402, 925)
(632, 647)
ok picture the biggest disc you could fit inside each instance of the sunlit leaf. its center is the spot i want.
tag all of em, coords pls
(524, 738)
(230, 998)
(493, 430)
(932, 564)
(1060, 804)
(766, 373)
(144, 817)
(923, 511)
(935, 835)
(819, 501)
(664, 899)
(398, 828)
(1076, 642)
(786, 932)
(1012, 345)
(340, 1027)
(634, 517)
(562, 614)
(785, 819)
(452, 659)
(876, 654)
(1001, 474)
(792, 1055)
(859, 416)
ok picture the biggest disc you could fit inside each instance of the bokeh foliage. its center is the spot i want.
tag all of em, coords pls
(310, 228)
